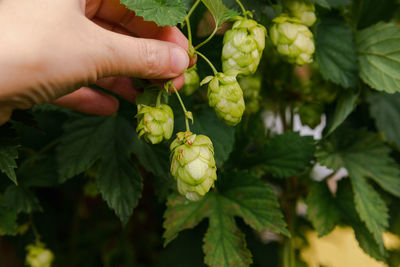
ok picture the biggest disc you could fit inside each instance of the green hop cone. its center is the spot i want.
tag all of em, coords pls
(243, 46)
(193, 164)
(310, 114)
(192, 81)
(39, 256)
(251, 86)
(302, 10)
(155, 123)
(226, 97)
(293, 40)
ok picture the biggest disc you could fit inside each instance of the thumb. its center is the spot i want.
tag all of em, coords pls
(123, 55)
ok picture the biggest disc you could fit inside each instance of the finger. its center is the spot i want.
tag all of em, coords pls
(89, 101)
(119, 85)
(120, 55)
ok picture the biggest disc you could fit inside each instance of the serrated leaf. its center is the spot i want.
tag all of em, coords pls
(345, 104)
(239, 194)
(39, 171)
(162, 12)
(379, 56)
(337, 60)
(20, 199)
(82, 144)
(118, 180)
(286, 154)
(385, 109)
(364, 156)
(218, 10)
(8, 155)
(321, 209)
(8, 221)
(224, 244)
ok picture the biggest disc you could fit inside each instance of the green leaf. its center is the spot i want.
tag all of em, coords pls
(337, 59)
(224, 243)
(321, 209)
(240, 194)
(118, 180)
(345, 104)
(162, 12)
(286, 155)
(219, 11)
(39, 171)
(20, 199)
(379, 56)
(8, 221)
(8, 155)
(82, 144)
(364, 156)
(385, 109)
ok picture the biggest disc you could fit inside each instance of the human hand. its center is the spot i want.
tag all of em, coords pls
(49, 48)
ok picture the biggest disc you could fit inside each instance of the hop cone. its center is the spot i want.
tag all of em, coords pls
(155, 123)
(192, 81)
(243, 46)
(302, 10)
(293, 40)
(226, 97)
(251, 86)
(193, 164)
(39, 256)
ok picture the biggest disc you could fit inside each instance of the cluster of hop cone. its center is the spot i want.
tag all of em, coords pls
(192, 156)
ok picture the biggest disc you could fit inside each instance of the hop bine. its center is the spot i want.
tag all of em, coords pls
(192, 81)
(193, 164)
(226, 97)
(293, 40)
(155, 124)
(302, 10)
(243, 46)
(39, 256)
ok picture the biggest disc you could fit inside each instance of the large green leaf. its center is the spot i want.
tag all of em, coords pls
(219, 11)
(20, 199)
(379, 56)
(239, 194)
(8, 155)
(337, 60)
(385, 109)
(364, 155)
(162, 12)
(321, 209)
(286, 154)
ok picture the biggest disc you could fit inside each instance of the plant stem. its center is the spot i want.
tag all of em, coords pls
(208, 61)
(183, 107)
(208, 38)
(241, 7)
(192, 9)
(158, 103)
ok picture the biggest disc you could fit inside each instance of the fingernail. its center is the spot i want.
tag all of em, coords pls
(179, 60)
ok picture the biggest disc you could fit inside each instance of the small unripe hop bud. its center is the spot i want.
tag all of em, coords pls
(251, 86)
(193, 164)
(293, 40)
(192, 81)
(155, 124)
(243, 46)
(39, 256)
(226, 97)
(302, 10)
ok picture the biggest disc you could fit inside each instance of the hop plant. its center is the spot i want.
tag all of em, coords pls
(251, 86)
(243, 46)
(192, 81)
(155, 123)
(39, 256)
(193, 164)
(293, 40)
(302, 10)
(226, 97)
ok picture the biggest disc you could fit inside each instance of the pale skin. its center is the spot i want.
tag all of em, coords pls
(50, 50)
